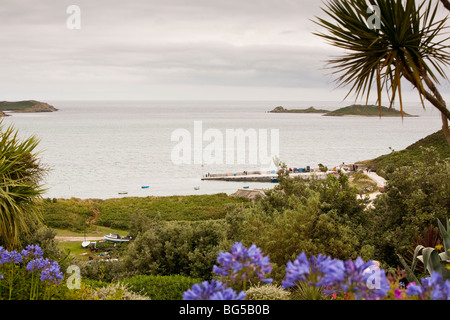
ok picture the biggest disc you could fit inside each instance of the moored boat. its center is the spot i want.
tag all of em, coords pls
(115, 237)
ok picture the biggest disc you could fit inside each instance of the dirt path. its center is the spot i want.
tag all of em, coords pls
(381, 182)
(81, 239)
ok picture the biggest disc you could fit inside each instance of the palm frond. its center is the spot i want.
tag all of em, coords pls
(410, 41)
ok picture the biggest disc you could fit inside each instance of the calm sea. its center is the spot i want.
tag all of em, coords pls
(100, 149)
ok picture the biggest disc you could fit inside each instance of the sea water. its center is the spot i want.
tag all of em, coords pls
(109, 149)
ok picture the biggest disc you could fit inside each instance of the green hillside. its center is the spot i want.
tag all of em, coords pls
(387, 163)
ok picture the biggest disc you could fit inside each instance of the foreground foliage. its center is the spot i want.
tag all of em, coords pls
(298, 215)
(416, 195)
(321, 275)
(20, 185)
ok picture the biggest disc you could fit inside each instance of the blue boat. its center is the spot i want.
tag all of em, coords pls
(145, 187)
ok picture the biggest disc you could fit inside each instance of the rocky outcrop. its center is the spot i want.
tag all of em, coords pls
(281, 109)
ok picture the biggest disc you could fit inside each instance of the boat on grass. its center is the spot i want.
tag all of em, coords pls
(115, 237)
(85, 244)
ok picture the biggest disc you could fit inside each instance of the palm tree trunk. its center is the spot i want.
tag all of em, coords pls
(445, 128)
(434, 98)
(438, 96)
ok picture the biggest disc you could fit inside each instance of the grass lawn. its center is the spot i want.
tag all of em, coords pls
(75, 246)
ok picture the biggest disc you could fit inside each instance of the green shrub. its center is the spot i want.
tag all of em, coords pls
(415, 196)
(158, 287)
(267, 292)
(108, 291)
(317, 216)
(176, 247)
(102, 271)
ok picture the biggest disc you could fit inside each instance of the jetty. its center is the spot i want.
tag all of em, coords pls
(258, 176)
(272, 176)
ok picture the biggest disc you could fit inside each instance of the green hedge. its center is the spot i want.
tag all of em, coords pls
(158, 287)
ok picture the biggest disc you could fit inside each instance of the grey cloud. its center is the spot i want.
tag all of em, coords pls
(257, 43)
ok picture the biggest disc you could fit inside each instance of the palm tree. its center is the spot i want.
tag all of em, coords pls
(446, 4)
(20, 175)
(407, 43)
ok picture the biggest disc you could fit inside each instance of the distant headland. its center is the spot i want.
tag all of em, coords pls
(355, 110)
(25, 106)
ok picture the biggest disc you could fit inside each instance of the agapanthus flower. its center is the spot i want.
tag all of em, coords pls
(52, 273)
(364, 280)
(4, 256)
(433, 287)
(13, 257)
(214, 290)
(361, 279)
(37, 264)
(244, 263)
(318, 271)
(32, 251)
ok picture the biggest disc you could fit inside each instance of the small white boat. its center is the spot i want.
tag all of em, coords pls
(115, 237)
(85, 244)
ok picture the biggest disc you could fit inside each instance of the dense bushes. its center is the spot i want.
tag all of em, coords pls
(158, 287)
(175, 247)
(416, 195)
(319, 216)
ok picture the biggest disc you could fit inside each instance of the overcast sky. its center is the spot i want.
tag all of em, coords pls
(165, 49)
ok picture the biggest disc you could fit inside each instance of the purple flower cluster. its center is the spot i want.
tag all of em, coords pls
(32, 255)
(214, 290)
(10, 257)
(37, 264)
(321, 271)
(52, 273)
(32, 251)
(432, 287)
(361, 279)
(50, 270)
(243, 263)
(364, 280)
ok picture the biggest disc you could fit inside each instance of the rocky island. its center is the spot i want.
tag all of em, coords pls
(280, 109)
(358, 110)
(355, 110)
(25, 106)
